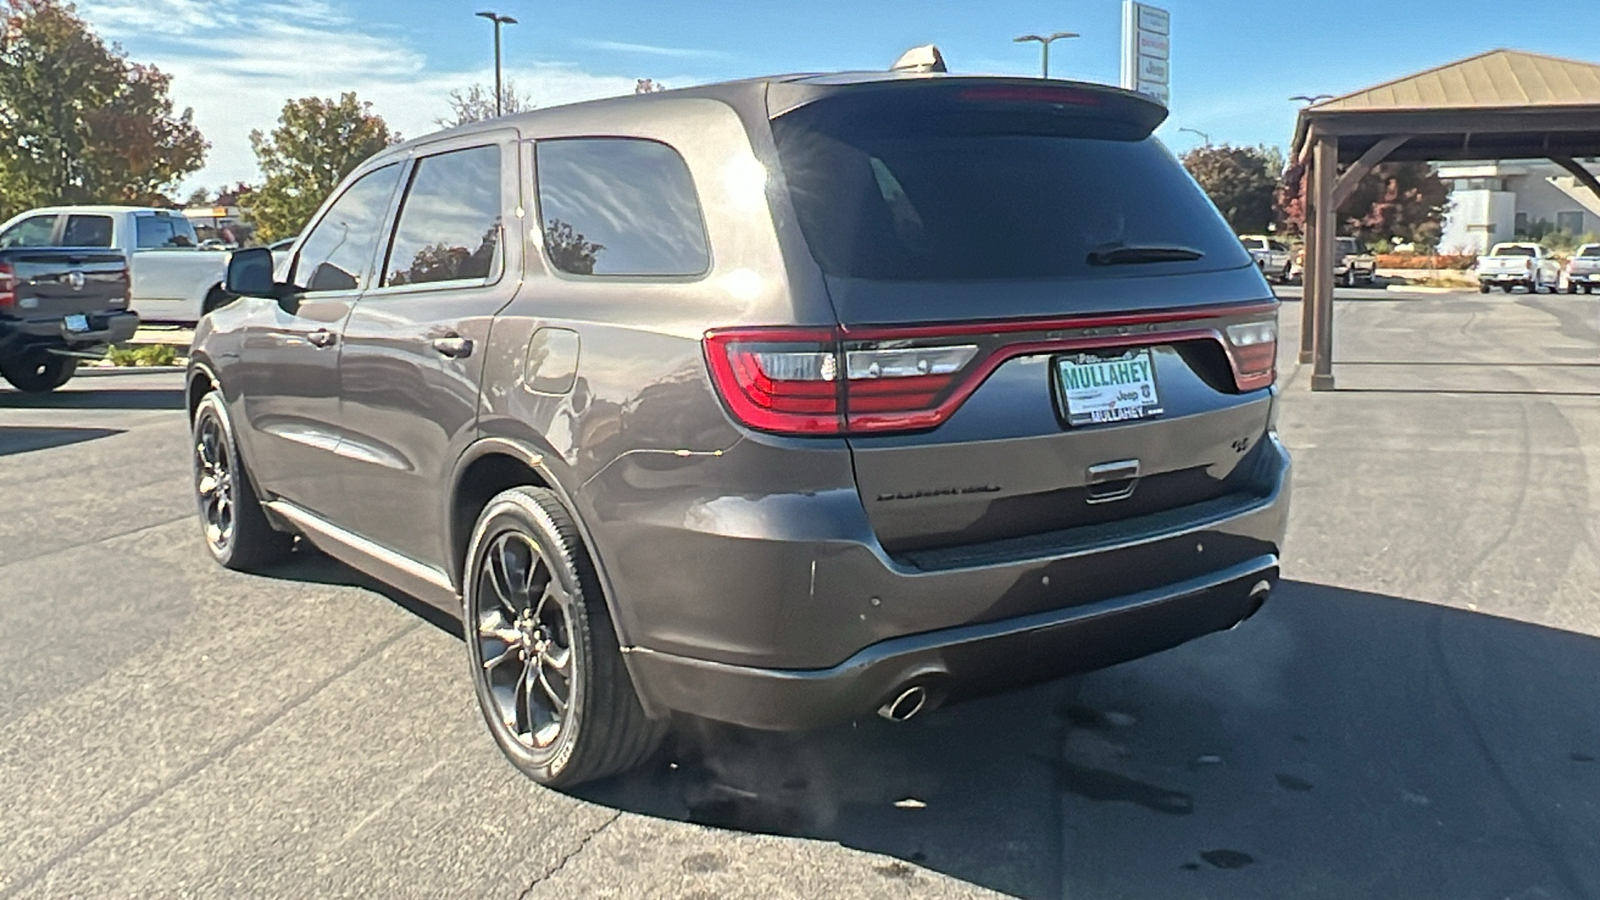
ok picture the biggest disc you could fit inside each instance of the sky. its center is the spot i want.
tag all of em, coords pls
(1234, 63)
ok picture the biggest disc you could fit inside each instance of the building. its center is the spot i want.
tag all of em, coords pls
(1502, 201)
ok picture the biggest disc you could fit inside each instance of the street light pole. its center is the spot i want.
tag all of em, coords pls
(1044, 45)
(1205, 138)
(1310, 99)
(498, 20)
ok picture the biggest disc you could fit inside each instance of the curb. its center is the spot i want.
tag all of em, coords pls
(1428, 289)
(128, 370)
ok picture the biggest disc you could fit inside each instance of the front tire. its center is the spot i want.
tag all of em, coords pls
(547, 667)
(39, 371)
(235, 526)
(1483, 287)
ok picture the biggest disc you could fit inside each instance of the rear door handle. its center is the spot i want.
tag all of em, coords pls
(322, 337)
(453, 346)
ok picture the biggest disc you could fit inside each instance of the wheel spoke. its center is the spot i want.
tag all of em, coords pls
(511, 651)
(549, 691)
(207, 485)
(558, 658)
(500, 575)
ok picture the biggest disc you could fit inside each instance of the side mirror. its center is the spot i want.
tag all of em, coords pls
(250, 273)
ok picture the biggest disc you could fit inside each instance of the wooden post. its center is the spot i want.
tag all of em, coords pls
(1310, 271)
(1326, 157)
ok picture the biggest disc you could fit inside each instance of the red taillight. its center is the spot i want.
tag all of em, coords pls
(8, 286)
(1253, 351)
(833, 381)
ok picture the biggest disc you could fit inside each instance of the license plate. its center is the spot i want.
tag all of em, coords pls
(77, 324)
(1097, 389)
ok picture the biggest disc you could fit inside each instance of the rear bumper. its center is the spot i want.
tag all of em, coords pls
(957, 662)
(104, 329)
(800, 633)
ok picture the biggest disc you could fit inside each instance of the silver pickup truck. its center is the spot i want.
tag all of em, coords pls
(1583, 270)
(1510, 266)
(173, 279)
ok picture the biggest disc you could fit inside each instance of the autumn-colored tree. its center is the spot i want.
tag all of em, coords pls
(647, 86)
(569, 249)
(1400, 201)
(1239, 180)
(79, 123)
(316, 144)
(476, 104)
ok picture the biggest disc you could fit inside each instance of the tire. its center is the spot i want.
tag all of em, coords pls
(1349, 279)
(1572, 287)
(1508, 287)
(1286, 275)
(38, 371)
(1483, 287)
(560, 723)
(231, 518)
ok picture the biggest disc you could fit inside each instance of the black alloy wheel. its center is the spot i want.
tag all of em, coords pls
(547, 667)
(236, 529)
(524, 633)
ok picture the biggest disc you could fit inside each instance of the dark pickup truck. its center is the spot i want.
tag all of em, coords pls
(60, 305)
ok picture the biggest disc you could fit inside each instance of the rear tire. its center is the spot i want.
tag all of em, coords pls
(547, 667)
(1483, 287)
(38, 371)
(231, 518)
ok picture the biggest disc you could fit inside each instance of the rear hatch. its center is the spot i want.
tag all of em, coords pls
(1045, 327)
(55, 282)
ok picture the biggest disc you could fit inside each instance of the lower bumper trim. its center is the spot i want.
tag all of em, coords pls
(957, 662)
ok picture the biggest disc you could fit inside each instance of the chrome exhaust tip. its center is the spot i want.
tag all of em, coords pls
(905, 704)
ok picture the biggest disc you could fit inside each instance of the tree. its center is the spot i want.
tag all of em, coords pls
(477, 104)
(1241, 181)
(79, 123)
(316, 144)
(648, 86)
(1404, 202)
(569, 249)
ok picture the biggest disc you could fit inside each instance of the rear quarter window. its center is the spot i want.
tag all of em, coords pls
(619, 206)
(87, 231)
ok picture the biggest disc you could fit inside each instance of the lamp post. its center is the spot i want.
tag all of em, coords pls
(498, 20)
(1309, 99)
(1205, 138)
(1044, 45)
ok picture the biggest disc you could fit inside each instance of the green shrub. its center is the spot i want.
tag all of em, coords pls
(144, 355)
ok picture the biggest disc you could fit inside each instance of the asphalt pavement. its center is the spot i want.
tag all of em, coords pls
(1412, 715)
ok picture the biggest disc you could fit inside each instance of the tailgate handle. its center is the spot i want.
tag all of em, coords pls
(1111, 481)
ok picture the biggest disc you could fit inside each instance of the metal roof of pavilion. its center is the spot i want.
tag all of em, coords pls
(1503, 104)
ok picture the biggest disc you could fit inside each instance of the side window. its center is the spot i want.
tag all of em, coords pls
(619, 206)
(337, 252)
(449, 225)
(34, 231)
(162, 232)
(87, 231)
(1280, 246)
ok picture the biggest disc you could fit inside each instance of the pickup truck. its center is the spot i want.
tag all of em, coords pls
(173, 279)
(59, 305)
(1583, 270)
(1512, 265)
(1351, 263)
(1272, 256)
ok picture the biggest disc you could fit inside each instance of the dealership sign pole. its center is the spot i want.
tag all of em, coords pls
(1146, 50)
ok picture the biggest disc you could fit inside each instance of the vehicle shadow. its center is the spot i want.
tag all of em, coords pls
(26, 438)
(307, 564)
(91, 398)
(1339, 744)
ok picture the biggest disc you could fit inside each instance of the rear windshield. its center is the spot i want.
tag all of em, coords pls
(1513, 250)
(1348, 245)
(1588, 250)
(952, 196)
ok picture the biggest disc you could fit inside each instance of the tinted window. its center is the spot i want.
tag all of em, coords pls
(1588, 250)
(87, 231)
(34, 231)
(1348, 245)
(1255, 243)
(940, 195)
(1513, 250)
(618, 206)
(449, 226)
(336, 254)
(154, 232)
(1280, 246)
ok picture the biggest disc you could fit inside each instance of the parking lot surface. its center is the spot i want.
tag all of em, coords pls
(1412, 715)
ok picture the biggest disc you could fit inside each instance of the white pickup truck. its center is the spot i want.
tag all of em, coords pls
(1583, 270)
(1512, 265)
(1272, 256)
(173, 279)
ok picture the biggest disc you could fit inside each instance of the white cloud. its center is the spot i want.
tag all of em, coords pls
(236, 64)
(653, 50)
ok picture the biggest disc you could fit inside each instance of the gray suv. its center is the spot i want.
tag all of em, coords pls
(777, 402)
